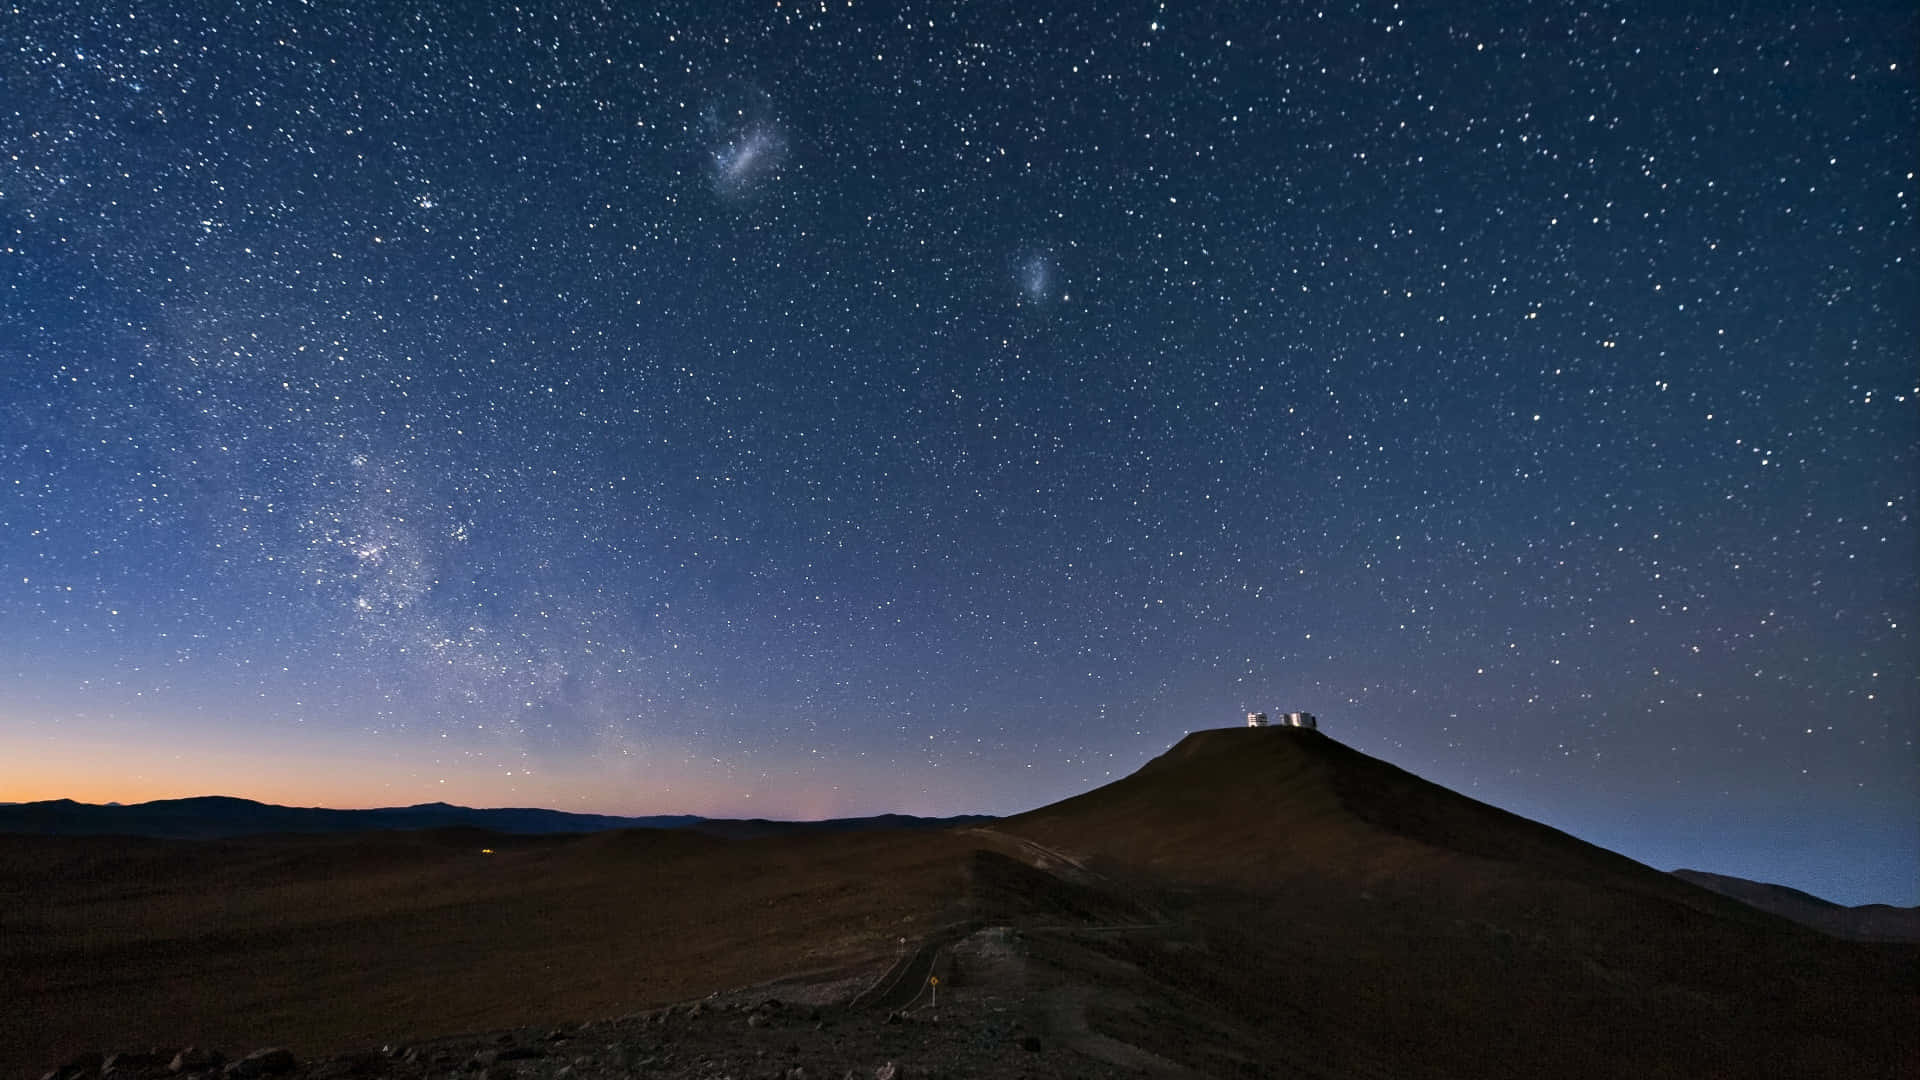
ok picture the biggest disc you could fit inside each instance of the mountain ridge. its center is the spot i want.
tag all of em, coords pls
(226, 816)
(1860, 922)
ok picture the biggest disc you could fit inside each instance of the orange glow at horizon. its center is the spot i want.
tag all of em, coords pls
(99, 765)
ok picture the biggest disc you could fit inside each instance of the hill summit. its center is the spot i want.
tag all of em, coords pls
(1358, 920)
(1252, 902)
(1261, 806)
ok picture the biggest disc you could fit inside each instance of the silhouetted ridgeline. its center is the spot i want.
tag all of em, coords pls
(1868, 922)
(216, 816)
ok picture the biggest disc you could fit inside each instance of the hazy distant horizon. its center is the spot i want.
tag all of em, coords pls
(1838, 878)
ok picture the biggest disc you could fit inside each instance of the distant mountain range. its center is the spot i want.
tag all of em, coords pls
(216, 816)
(1868, 922)
(220, 816)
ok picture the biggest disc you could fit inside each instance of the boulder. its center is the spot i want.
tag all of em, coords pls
(272, 1061)
(133, 1060)
(87, 1064)
(486, 1059)
(193, 1059)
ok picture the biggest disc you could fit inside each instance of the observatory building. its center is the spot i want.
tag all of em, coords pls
(1286, 719)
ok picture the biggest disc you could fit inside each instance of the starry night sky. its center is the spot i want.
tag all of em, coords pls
(818, 409)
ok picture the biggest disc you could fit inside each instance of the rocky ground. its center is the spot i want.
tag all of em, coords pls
(983, 1023)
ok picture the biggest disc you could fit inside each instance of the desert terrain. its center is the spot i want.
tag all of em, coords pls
(1255, 902)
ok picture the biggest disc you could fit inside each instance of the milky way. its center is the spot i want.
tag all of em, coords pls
(740, 409)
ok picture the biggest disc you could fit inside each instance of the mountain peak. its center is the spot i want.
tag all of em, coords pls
(1263, 807)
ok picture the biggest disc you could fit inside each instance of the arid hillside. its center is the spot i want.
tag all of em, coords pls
(1389, 926)
(325, 942)
(1258, 902)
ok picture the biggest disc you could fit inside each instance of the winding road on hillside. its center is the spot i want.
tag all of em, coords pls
(900, 984)
(906, 980)
(1041, 857)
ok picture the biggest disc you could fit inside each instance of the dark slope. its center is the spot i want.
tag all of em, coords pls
(1260, 806)
(1379, 924)
(324, 943)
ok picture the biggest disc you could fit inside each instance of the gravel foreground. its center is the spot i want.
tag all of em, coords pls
(783, 1031)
